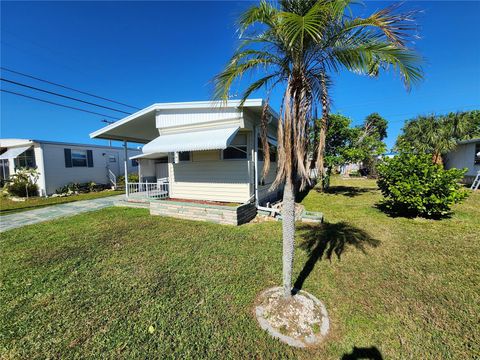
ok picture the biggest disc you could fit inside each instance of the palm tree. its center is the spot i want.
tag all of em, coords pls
(293, 45)
(435, 135)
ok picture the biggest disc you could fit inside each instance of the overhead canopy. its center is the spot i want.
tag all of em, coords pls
(211, 139)
(12, 153)
(149, 156)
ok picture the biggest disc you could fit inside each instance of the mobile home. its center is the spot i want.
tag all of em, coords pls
(60, 163)
(207, 151)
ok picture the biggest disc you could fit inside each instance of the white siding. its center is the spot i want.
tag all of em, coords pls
(463, 157)
(58, 175)
(172, 118)
(222, 180)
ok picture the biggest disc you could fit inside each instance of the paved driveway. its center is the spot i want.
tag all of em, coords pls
(20, 219)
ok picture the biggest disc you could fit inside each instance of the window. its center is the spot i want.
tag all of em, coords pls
(237, 149)
(273, 151)
(25, 159)
(477, 154)
(134, 163)
(79, 158)
(184, 156)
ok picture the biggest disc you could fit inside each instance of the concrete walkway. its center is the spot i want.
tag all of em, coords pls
(51, 212)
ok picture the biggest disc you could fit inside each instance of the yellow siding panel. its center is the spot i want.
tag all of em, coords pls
(221, 180)
(209, 155)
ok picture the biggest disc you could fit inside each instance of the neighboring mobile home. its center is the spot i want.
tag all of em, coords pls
(61, 163)
(465, 155)
(208, 151)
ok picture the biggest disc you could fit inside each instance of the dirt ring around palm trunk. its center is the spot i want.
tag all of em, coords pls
(301, 321)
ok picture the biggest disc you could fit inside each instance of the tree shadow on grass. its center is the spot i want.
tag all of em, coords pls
(370, 353)
(350, 191)
(300, 195)
(327, 240)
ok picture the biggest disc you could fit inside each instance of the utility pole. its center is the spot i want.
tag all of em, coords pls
(108, 122)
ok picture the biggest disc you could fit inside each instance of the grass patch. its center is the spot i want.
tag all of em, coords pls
(123, 284)
(8, 206)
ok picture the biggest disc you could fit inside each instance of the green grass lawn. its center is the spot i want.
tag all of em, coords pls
(8, 206)
(92, 285)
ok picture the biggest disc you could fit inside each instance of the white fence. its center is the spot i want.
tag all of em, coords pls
(147, 190)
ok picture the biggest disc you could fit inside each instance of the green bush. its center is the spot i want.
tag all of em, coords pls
(68, 188)
(76, 188)
(412, 185)
(23, 183)
(132, 178)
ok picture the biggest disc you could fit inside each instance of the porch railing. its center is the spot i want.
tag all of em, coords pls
(112, 178)
(147, 190)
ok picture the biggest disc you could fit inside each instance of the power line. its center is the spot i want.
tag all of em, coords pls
(54, 103)
(67, 87)
(61, 95)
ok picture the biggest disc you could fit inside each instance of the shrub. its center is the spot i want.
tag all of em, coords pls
(132, 178)
(76, 188)
(68, 188)
(23, 183)
(412, 185)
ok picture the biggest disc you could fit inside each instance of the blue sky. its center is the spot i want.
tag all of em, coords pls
(145, 52)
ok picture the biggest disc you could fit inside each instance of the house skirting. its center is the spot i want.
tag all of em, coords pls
(228, 215)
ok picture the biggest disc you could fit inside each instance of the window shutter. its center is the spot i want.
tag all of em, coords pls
(89, 158)
(68, 157)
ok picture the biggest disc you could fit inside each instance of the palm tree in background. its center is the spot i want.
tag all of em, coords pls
(437, 135)
(293, 45)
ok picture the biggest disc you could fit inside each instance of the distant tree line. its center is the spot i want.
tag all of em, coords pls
(436, 135)
(432, 134)
(346, 144)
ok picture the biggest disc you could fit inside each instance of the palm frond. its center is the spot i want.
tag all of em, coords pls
(263, 13)
(397, 27)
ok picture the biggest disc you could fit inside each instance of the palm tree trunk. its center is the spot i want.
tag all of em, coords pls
(323, 131)
(288, 227)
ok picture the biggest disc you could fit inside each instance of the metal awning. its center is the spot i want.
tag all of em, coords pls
(12, 153)
(149, 156)
(211, 139)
